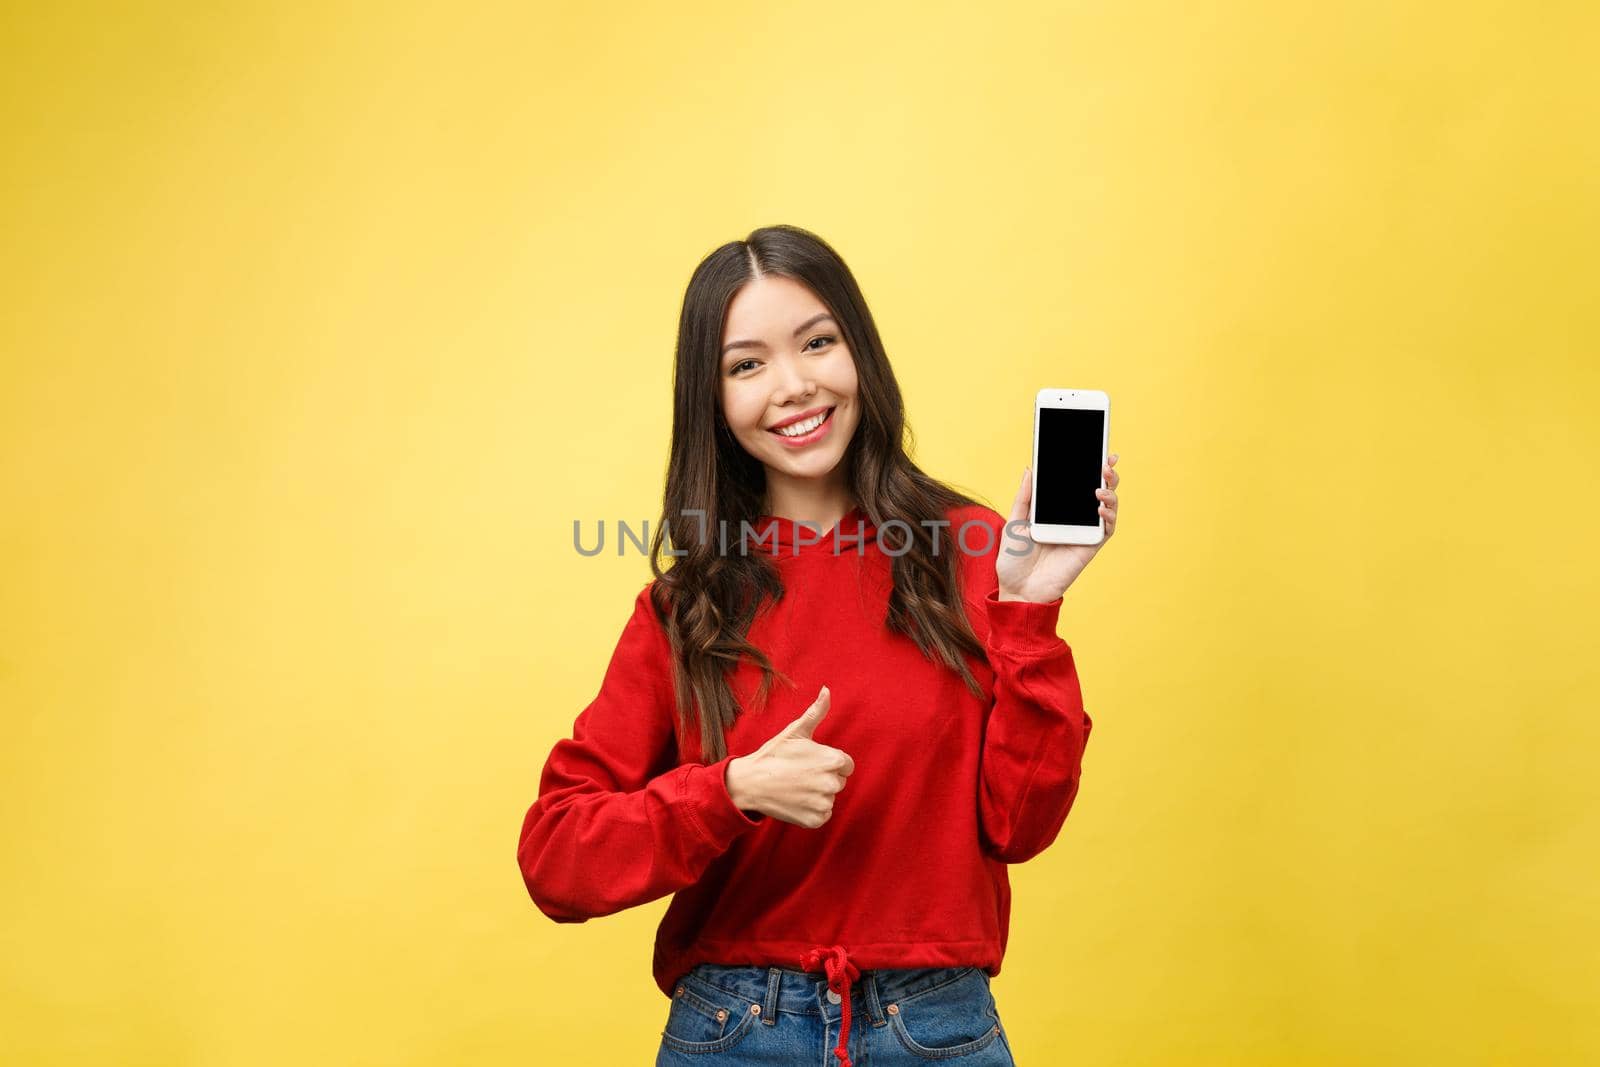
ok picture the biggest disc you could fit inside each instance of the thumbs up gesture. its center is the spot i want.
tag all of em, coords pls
(791, 777)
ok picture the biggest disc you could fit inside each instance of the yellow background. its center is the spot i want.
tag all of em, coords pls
(321, 327)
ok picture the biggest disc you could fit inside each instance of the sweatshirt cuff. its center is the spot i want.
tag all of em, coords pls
(705, 787)
(1023, 625)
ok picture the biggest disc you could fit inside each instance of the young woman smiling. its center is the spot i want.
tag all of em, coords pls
(838, 716)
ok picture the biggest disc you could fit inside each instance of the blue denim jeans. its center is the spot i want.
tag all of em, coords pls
(771, 1015)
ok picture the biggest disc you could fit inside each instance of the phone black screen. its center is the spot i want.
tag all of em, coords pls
(1070, 443)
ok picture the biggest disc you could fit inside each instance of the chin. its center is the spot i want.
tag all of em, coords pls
(820, 468)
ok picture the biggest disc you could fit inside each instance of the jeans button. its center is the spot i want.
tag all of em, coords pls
(834, 998)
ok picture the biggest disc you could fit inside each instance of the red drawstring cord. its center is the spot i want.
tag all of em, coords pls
(841, 973)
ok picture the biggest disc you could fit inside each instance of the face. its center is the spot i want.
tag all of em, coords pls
(784, 357)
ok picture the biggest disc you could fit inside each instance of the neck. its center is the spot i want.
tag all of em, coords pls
(807, 499)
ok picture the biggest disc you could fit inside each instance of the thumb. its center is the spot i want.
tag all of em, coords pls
(1019, 506)
(806, 724)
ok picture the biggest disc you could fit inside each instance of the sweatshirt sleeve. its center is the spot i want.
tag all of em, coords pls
(606, 832)
(1036, 733)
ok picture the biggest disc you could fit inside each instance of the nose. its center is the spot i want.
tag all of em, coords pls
(793, 382)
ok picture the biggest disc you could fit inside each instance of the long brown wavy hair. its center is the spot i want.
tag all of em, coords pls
(708, 598)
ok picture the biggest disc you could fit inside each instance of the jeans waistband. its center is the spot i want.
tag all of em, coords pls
(802, 992)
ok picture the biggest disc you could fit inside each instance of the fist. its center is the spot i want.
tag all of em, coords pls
(792, 777)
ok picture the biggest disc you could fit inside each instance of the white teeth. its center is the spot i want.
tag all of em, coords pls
(800, 429)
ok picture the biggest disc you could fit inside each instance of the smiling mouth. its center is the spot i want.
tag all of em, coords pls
(813, 424)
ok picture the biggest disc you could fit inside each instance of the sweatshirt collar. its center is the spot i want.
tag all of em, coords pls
(854, 529)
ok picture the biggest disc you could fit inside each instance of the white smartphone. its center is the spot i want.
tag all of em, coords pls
(1071, 432)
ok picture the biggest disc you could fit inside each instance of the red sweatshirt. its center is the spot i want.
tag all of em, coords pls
(910, 870)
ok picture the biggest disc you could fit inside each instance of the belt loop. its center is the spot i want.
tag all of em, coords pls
(874, 1005)
(769, 1010)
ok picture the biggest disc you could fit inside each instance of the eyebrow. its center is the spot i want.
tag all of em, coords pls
(798, 330)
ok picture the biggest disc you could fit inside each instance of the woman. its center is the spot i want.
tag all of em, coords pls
(835, 719)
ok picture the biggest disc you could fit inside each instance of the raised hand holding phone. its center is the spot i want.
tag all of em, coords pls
(1044, 572)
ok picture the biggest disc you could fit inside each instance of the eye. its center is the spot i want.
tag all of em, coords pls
(735, 368)
(824, 337)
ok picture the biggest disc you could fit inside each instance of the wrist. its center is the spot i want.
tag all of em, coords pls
(733, 776)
